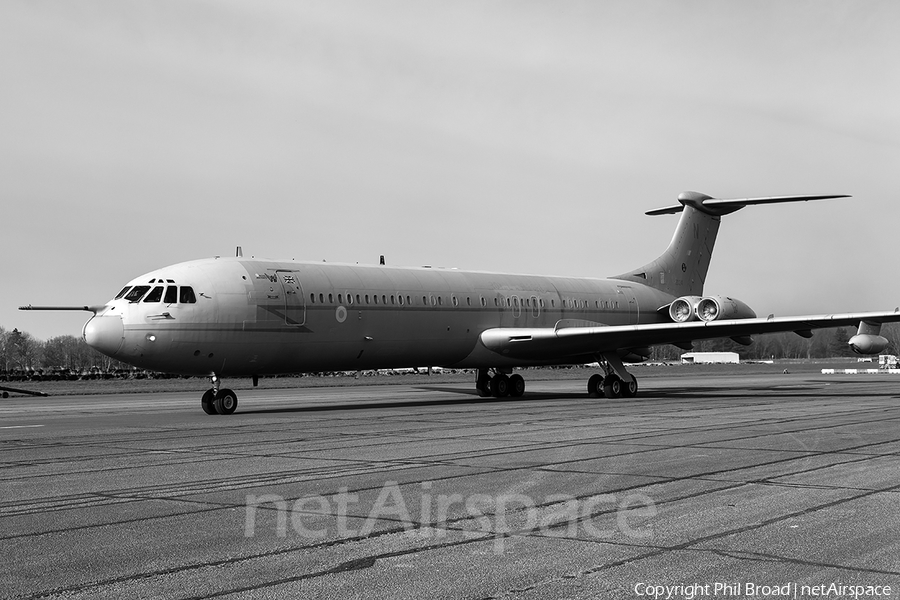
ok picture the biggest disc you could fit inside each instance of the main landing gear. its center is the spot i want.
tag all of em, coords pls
(217, 401)
(616, 382)
(500, 384)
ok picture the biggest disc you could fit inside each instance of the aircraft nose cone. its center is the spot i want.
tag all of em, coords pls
(105, 333)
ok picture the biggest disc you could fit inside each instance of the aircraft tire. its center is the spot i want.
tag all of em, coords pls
(226, 402)
(208, 402)
(500, 386)
(630, 389)
(612, 387)
(516, 385)
(595, 386)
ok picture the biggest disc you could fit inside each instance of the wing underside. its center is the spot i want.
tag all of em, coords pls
(552, 343)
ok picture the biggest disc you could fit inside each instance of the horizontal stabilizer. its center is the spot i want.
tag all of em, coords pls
(724, 206)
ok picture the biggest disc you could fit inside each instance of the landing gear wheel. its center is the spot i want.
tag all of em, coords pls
(516, 385)
(595, 386)
(226, 401)
(208, 402)
(612, 386)
(500, 386)
(630, 388)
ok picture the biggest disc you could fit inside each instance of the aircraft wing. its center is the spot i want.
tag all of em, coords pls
(568, 338)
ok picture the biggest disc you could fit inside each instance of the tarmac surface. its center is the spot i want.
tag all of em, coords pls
(402, 491)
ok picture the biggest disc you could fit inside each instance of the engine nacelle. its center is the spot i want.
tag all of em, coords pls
(717, 308)
(684, 309)
(866, 343)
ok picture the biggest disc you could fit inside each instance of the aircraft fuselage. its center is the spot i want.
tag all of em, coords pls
(256, 317)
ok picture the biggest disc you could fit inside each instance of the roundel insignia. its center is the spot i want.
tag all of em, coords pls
(683, 267)
(340, 314)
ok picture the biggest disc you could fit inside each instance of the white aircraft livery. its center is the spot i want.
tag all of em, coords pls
(238, 317)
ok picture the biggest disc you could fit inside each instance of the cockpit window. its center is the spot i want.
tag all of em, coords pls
(155, 295)
(171, 295)
(187, 295)
(123, 292)
(136, 293)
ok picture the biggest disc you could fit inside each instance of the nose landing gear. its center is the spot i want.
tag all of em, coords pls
(217, 401)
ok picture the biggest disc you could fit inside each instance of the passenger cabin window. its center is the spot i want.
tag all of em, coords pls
(137, 292)
(155, 295)
(187, 295)
(123, 292)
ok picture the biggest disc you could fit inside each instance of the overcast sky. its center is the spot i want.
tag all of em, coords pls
(506, 136)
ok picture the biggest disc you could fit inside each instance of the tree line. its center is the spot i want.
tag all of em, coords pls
(22, 356)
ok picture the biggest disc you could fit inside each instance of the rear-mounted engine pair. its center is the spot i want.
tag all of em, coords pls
(708, 308)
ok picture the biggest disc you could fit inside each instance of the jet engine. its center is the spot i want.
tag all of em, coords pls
(708, 308)
(684, 309)
(716, 308)
(865, 343)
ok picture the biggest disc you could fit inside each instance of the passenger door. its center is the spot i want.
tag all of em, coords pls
(293, 303)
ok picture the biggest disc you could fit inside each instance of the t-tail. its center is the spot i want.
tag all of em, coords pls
(681, 270)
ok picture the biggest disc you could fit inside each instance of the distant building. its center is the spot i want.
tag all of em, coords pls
(888, 361)
(690, 358)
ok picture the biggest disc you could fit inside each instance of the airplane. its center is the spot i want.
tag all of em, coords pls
(239, 317)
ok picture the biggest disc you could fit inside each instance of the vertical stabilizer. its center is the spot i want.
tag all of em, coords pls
(681, 270)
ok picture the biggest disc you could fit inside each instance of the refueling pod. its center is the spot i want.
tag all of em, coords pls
(867, 339)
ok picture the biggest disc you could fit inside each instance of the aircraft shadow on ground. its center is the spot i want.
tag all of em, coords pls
(470, 396)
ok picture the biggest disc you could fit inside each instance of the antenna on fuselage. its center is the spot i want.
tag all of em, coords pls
(381, 260)
(238, 252)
